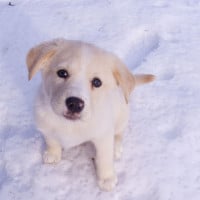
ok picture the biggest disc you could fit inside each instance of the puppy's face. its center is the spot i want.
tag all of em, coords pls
(77, 76)
(76, 80)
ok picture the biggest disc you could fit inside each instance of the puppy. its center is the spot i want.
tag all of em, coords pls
(83, 96)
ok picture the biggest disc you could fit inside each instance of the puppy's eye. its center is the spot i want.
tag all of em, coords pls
(62, 73)
(96, 82)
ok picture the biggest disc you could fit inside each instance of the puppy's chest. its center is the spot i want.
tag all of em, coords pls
(75, 133)
(71, 138)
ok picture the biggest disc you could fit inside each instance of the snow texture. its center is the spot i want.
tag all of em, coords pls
(161, 159)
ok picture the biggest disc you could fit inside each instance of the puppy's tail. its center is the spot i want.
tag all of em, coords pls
(141, 79)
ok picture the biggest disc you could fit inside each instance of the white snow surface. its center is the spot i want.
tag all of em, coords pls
(161, 159)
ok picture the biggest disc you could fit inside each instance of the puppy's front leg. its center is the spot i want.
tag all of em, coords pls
(118, 146)
(53, 151)
(104, 162)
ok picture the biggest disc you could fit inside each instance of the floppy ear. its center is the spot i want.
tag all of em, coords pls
(127, 81)
(39, 56)
(124, 79)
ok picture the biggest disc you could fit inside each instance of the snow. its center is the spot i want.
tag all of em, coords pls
(161, 157)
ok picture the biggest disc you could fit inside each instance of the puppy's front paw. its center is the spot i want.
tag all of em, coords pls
(51, 157)
(108, 183)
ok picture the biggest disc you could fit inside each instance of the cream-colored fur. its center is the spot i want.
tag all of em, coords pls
(105, 113)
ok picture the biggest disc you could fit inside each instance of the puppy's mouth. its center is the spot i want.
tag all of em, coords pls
(72, 116)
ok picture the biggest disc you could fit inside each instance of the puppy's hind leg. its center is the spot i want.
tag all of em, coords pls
(53, 151)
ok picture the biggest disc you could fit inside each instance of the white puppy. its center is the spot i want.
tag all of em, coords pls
(83, 97)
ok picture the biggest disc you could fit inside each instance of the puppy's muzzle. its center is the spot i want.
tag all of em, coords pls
(74, 105)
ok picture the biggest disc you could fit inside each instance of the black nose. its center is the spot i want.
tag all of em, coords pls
(74, 104)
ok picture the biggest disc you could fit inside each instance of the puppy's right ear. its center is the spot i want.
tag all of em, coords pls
(39, 56)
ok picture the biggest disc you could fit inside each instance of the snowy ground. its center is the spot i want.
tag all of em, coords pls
(161, 158)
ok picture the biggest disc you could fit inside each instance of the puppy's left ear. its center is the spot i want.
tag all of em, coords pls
(124, 79)
(127, 81)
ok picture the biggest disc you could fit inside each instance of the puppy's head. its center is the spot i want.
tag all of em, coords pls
(78, 77)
